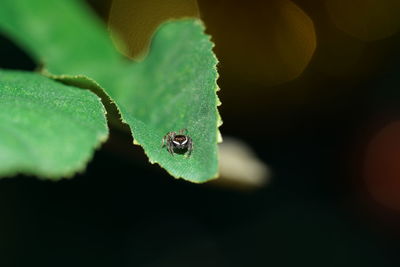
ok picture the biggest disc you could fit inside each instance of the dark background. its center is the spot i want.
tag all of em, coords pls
(315, 212)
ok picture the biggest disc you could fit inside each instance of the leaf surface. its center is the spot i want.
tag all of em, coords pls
(47, 129)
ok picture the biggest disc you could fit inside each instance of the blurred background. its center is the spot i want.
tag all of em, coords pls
(313, 87)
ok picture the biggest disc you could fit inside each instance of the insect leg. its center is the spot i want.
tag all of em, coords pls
(170, 149)
(190, 147)
(183, 131)
(167, 138)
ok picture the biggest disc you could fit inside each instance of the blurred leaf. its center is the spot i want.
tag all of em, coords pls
(173, 88)
(367, 20)
(134, 22)
(46, 128)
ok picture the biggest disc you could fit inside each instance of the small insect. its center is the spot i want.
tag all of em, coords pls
(179, 143)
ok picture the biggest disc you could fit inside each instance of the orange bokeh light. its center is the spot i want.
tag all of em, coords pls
(382, 166)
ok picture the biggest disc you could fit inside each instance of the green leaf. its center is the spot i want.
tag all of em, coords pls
(173, 88)
(46, 128)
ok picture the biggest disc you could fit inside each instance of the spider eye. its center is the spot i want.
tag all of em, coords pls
(184, 141)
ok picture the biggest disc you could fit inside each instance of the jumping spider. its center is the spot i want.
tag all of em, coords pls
(179, 143)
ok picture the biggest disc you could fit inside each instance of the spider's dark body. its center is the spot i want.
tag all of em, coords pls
(178, 143)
